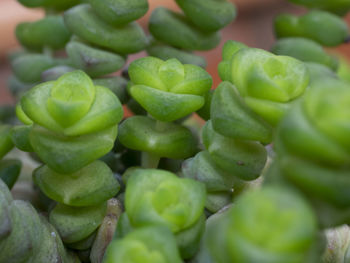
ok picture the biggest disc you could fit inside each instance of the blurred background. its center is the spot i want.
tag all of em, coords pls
(253, 26)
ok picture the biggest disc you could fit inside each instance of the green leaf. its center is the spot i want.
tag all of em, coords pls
(95, 62)
(66, 154)
(305, 50)
(119, 12)
(177, 30)
(75, 224)
(166, 52)
(171, 141)
(166, 106)
(37, 63)
(82, 21)
(9, 171)
(241, 158)
(71, 97)
(232, 117)
(6, 143)
(211, 15)
(88, 186)
(46, 32)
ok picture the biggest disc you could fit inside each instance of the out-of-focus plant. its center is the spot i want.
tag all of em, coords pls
(282, 115)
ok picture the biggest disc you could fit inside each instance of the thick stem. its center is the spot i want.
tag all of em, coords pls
(149, 160)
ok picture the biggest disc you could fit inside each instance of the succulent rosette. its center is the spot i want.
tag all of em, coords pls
(73, 121)
(268, 85)
(158, 197)
(313, 150)
(154, 244)
(272, 224)
(168, 90)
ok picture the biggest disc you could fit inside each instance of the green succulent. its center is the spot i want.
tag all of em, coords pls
(70, 115)
(26, 236)
(267, 83)
(272, 224)
(305, 50)
(157, 197)
(147, 244)
(83, 22)
(312, 149)
(323, 27)
(339, 7)
(47, 32)
(168, 90)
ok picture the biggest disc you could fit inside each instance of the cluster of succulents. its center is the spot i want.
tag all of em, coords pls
(265, 179)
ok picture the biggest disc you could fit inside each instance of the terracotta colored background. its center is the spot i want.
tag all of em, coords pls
(253, 26)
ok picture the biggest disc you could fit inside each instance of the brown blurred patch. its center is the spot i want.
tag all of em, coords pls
(252, 26)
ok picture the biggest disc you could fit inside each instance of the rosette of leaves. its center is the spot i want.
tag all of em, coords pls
(313, 150)
(26, 236)
(154, 244)
(168, 91)
(265, 86)
(71, 121)
(323, 27)
(197, 28)
(158, 197)
(271, 224)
